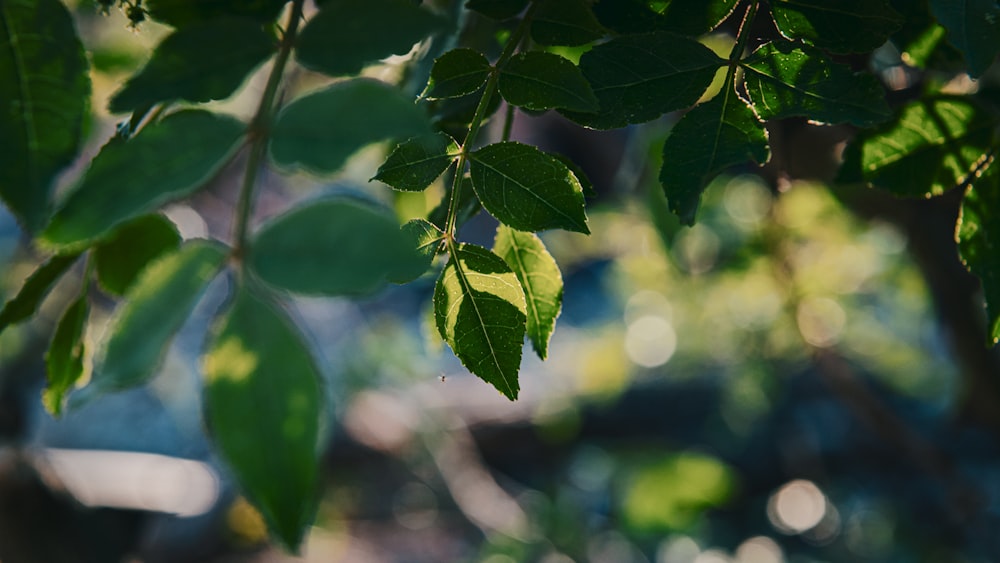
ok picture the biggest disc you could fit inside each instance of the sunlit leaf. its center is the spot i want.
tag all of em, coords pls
(480, 312)
(415, 163)
(45, 91)
(845, 26)
(321, 130)
(263, 402)
(457, 73)
(168, 161)
(426, 239)
(632, 83)
(187, 12)
(121, 257)
(540, 81)
(527, 189)
(978, 236)
(497, 9)
(786, 80)
(540, 279)
(974, 28)
(707, 140)
(35, 288)
(204, 61)
(345, 36)
(565, 22)
(64, 359)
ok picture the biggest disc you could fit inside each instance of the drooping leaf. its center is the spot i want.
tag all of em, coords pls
(845, 26)
(321, 130)
(263, 402)
(708, 139)
(341, 246)
(345, 36)
(540, 81)
(180, 13)
(540, 279)
(978, 237)
(35, 288)
(637, 78)
(155, 307)
(64, 359)
(565, 22)
(480, 312)
(168, 161)
(457, 73)
(415, 164)
(784, 80)
(121, 258)
(974, 28)
(931, 147)
(201, 62)
(425, 238)
(527, 189)
(45, 91)
(497, 9)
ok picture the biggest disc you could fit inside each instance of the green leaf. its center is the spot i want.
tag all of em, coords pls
(345, 36)
(155, 307)
(634, 85)
(121, 257)
(180, 13)
(263, 402)
(45, 88)
(425, 239)
(480, 312)
(784, 80)
(931, 147)
(497, 9)
(540, 279)
(341, 246)
(527, 189)
(204, 61)
(707, 140)
(541, 81)
(64, 359)
(629, 16)
(457, 73)
(974, 28)
(687, 17)
(588, 187)
(35, 288)
(978, 237)
(416, 163)
(169, 160)
(844, 26)
(565, 22)
(697, 17)
(321, 130)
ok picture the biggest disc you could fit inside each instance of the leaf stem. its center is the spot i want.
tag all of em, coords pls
(260, 129)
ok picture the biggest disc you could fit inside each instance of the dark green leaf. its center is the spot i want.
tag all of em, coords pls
(168, 161)
(345, 36)
(321, 130)
(844, 26)
(64, 359)
(783, 80)
(974, 28)
(541, 81)
(931, 147)
(204, 61)
(457, 73)
(480, 312)
(497, 9)
(186, 12)
(978, 237)
(425, 238)
(263, 402)
(540, 279)
(35, 288)
(688, 17)
(45, 91)
(416, 163)
(707, 140)
(629, 16)
(121, 258)
(331, 247)
(581, 176)
(155, 307)
(696, 17)
(565, 22)
(634, 84)
(527, 189)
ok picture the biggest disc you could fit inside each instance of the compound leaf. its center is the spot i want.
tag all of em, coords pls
(973, 28)
(121, 257)
(540, 279)
(415, 163)
(35, 288)
(64, 358)
(845, 26)
(541, 81)
(457, 73)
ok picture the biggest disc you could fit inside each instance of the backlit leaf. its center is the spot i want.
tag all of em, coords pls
(974, 28)
(263, 402)
(169, 160)
(321, 130)
(64, 359)
(565, 22)
(45, 91)
(426, 239)
(497, 9)
(527, 189)
(121, 258)
(35, 288)
(480, 312)
(844, 26)
(540, 81)
(978, 236)
(540, 279)
(415, 164)
(187, 12)
(457, 73)
(345, 36)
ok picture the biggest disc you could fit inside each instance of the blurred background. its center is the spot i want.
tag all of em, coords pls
(800, 377)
